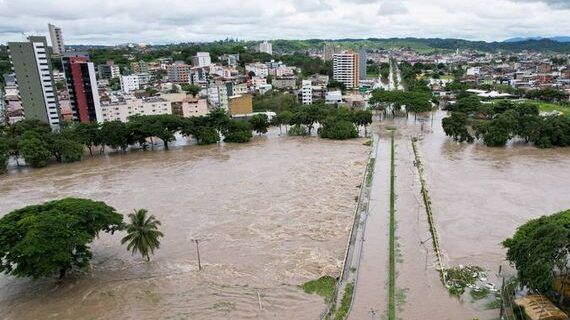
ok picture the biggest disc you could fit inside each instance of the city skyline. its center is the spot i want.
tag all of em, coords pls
(107, 23)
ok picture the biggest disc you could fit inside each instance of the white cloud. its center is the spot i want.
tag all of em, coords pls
(116, 21)
(391, 7)
(565, 4)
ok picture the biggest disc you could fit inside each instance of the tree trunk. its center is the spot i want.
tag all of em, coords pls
(90, 150)
(62, 273)
(562, 287)
(166, 144)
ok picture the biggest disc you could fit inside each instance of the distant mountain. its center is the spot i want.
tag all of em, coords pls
(521, 39)
(430, 45)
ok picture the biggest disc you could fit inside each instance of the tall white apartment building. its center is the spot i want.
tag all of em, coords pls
(144, 78)
(56, 36)
(2, 108)
(202, 59)
(266, 47)
(260, 69)
(109, 70)
(238, 89)
(130, 83)
(34, 78)
(115, 71)
(218, 96)
(306, 92)
(346, 69)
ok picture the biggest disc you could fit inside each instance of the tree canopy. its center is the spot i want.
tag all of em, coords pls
(539, 250)
(455, 126)
(192, 89)
(143, 235)
(259, 123)
(414, 101)
(499, 122)
(51, 238)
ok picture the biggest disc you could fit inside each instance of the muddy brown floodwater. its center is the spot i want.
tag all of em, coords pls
(271, 215)
(479, 195)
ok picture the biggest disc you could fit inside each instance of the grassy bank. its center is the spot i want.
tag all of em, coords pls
(392, 244)
(324, 287)
(429, 212)
(345, 303)
(550, 107)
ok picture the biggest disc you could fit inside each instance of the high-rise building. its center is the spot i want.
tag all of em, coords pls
(130, 83)
(362, 64)
(329, 50)
(108, 70)
(35, 82)
(266, 47)
(139, 67)
(202, 59)
(306, 92)
(82, 87)
(2, 108)
(218, 96)
(346, 69)
(56, 37)
(178, 72)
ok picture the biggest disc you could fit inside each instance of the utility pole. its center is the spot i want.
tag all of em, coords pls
(503, 295)
(422, 243)
(198, 254)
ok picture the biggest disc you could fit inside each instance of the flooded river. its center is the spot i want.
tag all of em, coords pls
(275, 213)
(271, 215)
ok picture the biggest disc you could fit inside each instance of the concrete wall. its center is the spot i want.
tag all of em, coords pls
(241, 104)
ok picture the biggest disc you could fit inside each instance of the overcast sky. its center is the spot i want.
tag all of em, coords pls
(170, 21)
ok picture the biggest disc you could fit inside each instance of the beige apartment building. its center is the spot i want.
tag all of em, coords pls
(194, 107)
(122, 110)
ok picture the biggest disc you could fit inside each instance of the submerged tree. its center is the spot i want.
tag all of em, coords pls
(259, 123)
(362, 118)
(455, 126)
(238, 131)
(51, 238)
(143, 235)
(540, 250)
(34, 150)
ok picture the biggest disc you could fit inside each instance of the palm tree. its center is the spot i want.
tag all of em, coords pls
(143, 235)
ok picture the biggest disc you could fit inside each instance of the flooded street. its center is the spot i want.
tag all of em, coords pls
(479, 197)
(270, 215)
